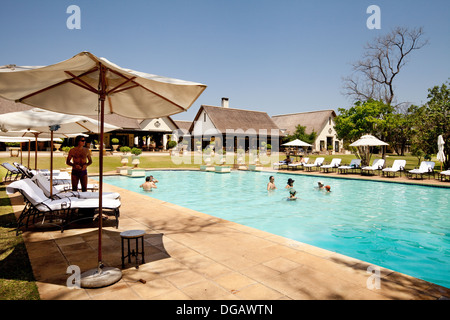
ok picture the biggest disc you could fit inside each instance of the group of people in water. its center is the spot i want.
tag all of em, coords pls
(290, 187)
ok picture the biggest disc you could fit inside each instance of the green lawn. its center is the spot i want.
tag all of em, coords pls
(16, 276)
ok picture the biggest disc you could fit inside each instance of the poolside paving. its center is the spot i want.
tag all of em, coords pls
(194, 256)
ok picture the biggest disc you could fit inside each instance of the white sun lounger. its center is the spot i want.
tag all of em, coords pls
(277, 165)
(443, 175)
(398, 165)
(43, 183)
(63, 210)
(426, 167)
(297, 165)
(354, 164)
(317, 163)
(10, 170)
(333, 165)
(376, 165)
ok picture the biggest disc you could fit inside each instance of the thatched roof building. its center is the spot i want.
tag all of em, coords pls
(210, 119)
(313, 121)
(239, 125)
(321, 122)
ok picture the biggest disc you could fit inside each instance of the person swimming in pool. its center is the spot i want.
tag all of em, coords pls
(292, 194)
(271, 184)
(153, 179)
(320, 185)
(290, 184)
(148, 185)
(292, 191)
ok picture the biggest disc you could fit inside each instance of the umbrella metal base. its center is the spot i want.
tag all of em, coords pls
(97, 279)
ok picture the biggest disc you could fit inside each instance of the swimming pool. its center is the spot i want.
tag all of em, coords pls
(402, 227)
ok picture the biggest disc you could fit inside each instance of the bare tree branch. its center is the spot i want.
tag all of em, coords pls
(373, 76)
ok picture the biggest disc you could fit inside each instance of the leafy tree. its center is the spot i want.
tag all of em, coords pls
(434, 120)
(401, 127)
(300, 133)
(370, 117)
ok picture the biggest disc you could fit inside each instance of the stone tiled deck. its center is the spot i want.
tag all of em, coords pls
(191, 255)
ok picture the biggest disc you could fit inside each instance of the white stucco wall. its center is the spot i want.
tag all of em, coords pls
(327, 131)
(165, 125)
(204, 126)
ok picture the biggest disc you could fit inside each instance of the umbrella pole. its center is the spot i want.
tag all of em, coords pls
(29, 151)
(100, 165)
(101, 276)
(51, 164)
(35, 151)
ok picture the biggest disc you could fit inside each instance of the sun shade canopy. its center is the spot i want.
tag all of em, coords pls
(73, 86)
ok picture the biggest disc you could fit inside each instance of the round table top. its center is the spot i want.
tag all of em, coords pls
(132, 233)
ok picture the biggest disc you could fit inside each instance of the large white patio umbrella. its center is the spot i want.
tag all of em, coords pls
(88, 85)
(367, 141)
(441, 154)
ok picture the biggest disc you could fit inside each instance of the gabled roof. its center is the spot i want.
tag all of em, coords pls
(230, 118)
(183, 125)
(314, 120)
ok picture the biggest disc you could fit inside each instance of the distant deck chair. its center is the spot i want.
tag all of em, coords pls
(277, 165)
(376, 165)
(397, 166)
(296, 166)
(26, 173)
(58, 212)
(10, 171)
(444, 175)
(426, 167)
(354, 164)
(317, 164)
(334, 164)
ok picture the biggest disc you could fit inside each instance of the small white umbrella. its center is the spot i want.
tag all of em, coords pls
(296, 143)
(441, 154)
(367, 141)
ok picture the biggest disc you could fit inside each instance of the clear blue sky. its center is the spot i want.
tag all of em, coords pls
(282, 56)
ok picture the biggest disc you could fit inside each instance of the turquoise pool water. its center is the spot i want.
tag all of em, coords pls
(402, 227)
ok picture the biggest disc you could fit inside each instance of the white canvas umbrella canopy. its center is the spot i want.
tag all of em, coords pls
(86, 84)
(368, 140)
(39, 120)
(441, 154)
(296, 143)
